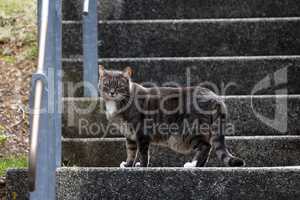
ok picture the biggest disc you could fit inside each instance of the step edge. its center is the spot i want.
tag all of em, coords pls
(176, 59)
(233, 138)
(178, 21)
(227, 97)
(170, 169)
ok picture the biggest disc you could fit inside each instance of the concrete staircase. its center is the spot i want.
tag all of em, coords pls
(248, 48)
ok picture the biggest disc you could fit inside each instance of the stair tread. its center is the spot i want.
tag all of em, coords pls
(241, 115)
(198, 37)
(179, 183)
(219, 71)
(165, 9)
(250, 182)
(256, 151)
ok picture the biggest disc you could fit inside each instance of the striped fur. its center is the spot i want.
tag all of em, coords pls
(130, 103)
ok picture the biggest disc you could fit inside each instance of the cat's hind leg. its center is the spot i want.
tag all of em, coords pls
(201, 157)
(223, 153)
(143, 144)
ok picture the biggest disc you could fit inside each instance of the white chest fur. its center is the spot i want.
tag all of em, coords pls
(111, 109)
(124, 127)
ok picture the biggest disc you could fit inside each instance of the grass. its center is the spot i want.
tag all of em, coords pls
(12, 162)
(18, 30)
(12, 7)
(8, 59)
(3, 137)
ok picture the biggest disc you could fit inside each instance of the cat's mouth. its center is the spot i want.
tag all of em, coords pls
(116, 97)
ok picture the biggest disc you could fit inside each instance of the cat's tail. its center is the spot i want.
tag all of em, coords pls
(219, 144)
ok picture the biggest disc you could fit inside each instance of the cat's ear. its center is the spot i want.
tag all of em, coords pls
(101, 71)
(128, 71)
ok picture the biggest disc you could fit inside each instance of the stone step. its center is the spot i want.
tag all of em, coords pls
(225, 75)
(17, 186)
(248, 115)
(189, 38)
(179, 9)
(179, 183)
(257, 151)
(262, 183)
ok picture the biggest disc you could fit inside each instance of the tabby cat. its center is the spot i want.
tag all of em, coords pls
(141, 112)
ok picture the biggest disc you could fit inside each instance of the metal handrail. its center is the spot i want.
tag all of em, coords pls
(86, 5)
(38, 93)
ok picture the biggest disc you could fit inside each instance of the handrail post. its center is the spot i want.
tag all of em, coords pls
(57, 82)
(45, 147)
(38, 125)
(90, 48)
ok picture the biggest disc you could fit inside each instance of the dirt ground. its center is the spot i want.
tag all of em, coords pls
(14, 95)
(18, 55)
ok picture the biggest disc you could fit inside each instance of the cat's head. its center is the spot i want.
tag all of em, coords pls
(113, 84)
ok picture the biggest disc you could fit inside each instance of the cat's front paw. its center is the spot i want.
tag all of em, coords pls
(190, 164)
(130, 164)
(123, 164)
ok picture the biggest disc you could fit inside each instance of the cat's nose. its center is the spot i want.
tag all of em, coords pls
(112, 93)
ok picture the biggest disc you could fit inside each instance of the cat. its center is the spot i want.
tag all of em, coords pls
(140, 112)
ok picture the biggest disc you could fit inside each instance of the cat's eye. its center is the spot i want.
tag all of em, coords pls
(105, 82)
(123, 86)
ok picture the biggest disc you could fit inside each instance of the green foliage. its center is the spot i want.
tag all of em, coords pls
(8, 59)
(3, 137)
(12, 162)
(31, 53)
